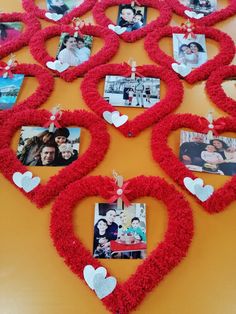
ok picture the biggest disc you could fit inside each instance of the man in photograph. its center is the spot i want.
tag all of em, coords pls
(190, 152)
(47, 155)
(112, 229)
(139, 89)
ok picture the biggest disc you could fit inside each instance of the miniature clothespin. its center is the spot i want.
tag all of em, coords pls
(135, 2)
(188, 28)
(133, 65)
(53, 121)
(210, 125)
(6, 68)
(118, 194)
(78, 24)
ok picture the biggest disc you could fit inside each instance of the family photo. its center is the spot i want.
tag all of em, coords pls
(74, 50)
(217, 155)
(191, 52)
(201, 6)
(62, 6)
(124, 91)
(132, 17)
(119, 233)
(9, 90)
(10, 31)
(39, 147)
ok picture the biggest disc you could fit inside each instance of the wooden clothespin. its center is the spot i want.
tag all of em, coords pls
(6, 69)
(78, 24)
(133, 65)
(56, 115)
(210, 125)
(119, 181)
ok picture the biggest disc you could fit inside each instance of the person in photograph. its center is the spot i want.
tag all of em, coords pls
(127, 16)
(66, 155)
(198, 50)
(211, 157)
(190, 152)
(131, 96)
(125, 223)
(126, 94)
(31, 149)
(61, 137)
(101, 242)
(47, 155)
(139, 89)
(112, 229)
(136, 230)
(58, 6)
(8, 33)
(69, 51)
(138, 18)
(83, 53)
(187, 57)
(148, 93)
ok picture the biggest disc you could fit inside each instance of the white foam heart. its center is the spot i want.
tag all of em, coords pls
(118, 120)
(104, 286)
(203, 192)
(190, 183)
(18, 176)
(89, 273)
(117, 29)
(107, 115)
(57, 65)
(28, 184)
(193, 14)
(53, 16)
(181, 69)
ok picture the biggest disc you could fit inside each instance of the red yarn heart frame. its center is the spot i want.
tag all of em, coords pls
(170, 163)
(163, 19)
(216, 92)
(224, 57)
(95, 153)
(32, 26)
(87, 5)
(38, 50)
(168, 254)
(98, 104)
(208, 20)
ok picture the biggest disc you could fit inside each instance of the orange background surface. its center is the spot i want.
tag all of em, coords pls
(34, 278)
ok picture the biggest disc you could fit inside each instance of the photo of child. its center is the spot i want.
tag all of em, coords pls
(9, 90)
(10, 31)
(62, 6)
(201, 6)
(131, 17)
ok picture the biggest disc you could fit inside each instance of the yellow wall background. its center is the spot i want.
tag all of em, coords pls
(34, 278)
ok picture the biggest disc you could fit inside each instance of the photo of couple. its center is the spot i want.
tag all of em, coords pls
(119, 233)
(217, 155)
(39, 147)
(62, 6)
(132, 17)
(191, 52)
(201, 6)
(74, 50)
(10, 31)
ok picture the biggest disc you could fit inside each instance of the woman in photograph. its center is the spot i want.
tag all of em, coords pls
(58, 6)
(69, 51)
(127, 18)
(101, 241)
(8, 33)
(197, 50)
(187, 57)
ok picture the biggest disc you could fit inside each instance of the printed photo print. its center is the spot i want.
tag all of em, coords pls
(217, 155)
(62, 6)
(126, 92)
(74, 50)
(201, 6)
(119, 233)
(132, 17)
(191, 52)
(9, 90)
(39, 147)
(10, 31)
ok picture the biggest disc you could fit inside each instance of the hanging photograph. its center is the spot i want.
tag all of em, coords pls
(62, 6)
(9, 90)
(132, 17)
(10, 31)
(201, 6)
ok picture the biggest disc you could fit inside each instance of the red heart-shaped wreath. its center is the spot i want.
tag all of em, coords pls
(9, 164)
(98, 104)
(37, 48)
(46, 84)
(30, 6)
(163, 19)
(216, 92)
(208, 20)
(32, 26)
(167, 159)
(224, 57)
(159, 263)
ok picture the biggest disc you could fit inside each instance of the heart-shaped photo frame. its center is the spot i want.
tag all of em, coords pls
(99, 105)
(215, 91)
(170, 163)
(30, 6)
(167, 255)
(95, 153)
(163, 19)
(38, 50)
(41, 94)
(31, 24)
(224, 57)
(208, 20)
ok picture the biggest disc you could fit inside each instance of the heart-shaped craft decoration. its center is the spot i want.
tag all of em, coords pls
(216, 92)
(170, 163)
(98, 104)
(224, 57)
(53, 16)
(181, 69)
(163, 18)
(193, 14)
(208, 20)
(31, 25)
(44, 193)
(57, 66)
(117, 29)
(168, 254)
(17, 177)
(115, 118)
(86, 5)
(38, 49)
(89, 273)
(40, 95)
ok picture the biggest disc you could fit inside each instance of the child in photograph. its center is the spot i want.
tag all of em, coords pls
(8, 33)
(66, 155)
(126, 94)
(148, 93)
(210, 155)
(138, 18)
(187, 57)
(69, 51)
(58, 6)
(83, 53)
(101, 243)
(61, 137)
(131, 95)
(136, 230)
(127, 18)
(139, 88)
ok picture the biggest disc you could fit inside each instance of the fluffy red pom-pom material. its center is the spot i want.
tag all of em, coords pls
(163, 19)
(111, 45)
(224, 57)
(31, 25)
(98, 104)
(216, 92)
(168, 160)
(168, 253)
(95, 153)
